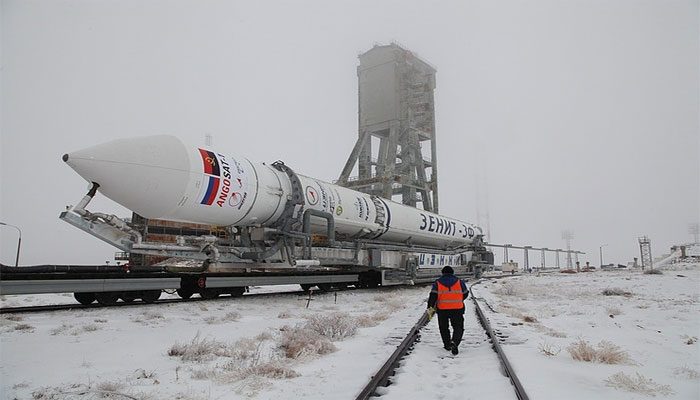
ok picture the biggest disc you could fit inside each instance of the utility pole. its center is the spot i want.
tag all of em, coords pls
(694, 229)
(568, 236)
(601, 254)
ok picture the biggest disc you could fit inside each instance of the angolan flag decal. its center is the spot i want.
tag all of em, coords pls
(211, 164)
(212, 190)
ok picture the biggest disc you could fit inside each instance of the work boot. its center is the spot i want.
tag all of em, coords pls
(447, 346)
(453, 347)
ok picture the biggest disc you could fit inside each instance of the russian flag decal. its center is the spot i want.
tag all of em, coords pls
(212, 190)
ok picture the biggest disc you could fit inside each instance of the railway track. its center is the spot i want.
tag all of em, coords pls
(403, 377)
(76, 306)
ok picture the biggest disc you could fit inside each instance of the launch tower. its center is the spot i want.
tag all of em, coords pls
(395, 150)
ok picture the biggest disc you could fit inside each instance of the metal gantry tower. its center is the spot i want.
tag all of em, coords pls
(645, 252)
(395, 151)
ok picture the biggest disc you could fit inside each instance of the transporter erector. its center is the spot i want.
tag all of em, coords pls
(276, 219)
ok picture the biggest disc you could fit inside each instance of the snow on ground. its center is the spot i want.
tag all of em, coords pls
(125, 349)
(653, 319)
(431, 372)
(272, 347)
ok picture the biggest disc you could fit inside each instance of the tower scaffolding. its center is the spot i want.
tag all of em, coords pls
(395, 151)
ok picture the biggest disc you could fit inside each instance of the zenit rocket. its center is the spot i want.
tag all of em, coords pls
(160, 177)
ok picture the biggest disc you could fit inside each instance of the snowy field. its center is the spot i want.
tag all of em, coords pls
(634, 337)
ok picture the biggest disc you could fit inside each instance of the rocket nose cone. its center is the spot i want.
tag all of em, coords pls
(147, 175)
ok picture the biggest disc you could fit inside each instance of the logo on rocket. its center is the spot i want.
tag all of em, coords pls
(311, 196)
(235, 199)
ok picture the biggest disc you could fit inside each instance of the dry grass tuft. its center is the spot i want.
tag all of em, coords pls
(314, 337)
(204, 374)
(273, 370)
(609, 353)
(270, 369)
(549, 349)
(24, 328)
(231, 316)
(103, 390)
(109, 386)
(100, 321)
(152, 315)
(605, 352)
(141, 373)
(334, 326)
(391, 301)
(615, 292)
(686, 372)
(638, 384)
(15, 318)
(568, 271)
(507, 289)
(249, 363)
(581, 350)
(528, 318)
(148, 317)
(370, 320)
(301, 342)
(90, 328)
(689, 339)
(556, 334)
(245, 349)
(190, 395)
(285, 314)
(366, 321)
(61, 329)
(198, 350)
(653, 272)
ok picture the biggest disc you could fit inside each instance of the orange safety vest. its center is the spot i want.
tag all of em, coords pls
(450, 298)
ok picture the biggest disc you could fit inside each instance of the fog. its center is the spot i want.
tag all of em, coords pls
(574, 115)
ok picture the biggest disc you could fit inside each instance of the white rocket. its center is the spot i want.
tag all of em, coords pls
(160, 177)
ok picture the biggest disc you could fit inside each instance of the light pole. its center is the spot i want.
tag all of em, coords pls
(19, 241)
(601, 255)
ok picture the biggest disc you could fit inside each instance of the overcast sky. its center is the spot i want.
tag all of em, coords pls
(582, 115)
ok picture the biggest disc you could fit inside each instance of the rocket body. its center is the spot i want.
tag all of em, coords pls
(160, 177)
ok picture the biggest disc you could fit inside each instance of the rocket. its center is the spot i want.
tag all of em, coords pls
(160, 177)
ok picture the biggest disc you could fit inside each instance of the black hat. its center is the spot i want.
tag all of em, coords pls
(448, 270)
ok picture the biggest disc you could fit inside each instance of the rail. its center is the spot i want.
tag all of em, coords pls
(382, 376)
(507, 367)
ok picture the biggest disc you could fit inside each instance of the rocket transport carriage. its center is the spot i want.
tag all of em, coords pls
(274, 217)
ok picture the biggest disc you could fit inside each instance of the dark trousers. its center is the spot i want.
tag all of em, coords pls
(456, 319)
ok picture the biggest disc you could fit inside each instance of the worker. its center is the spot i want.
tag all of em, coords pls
(447, 298)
